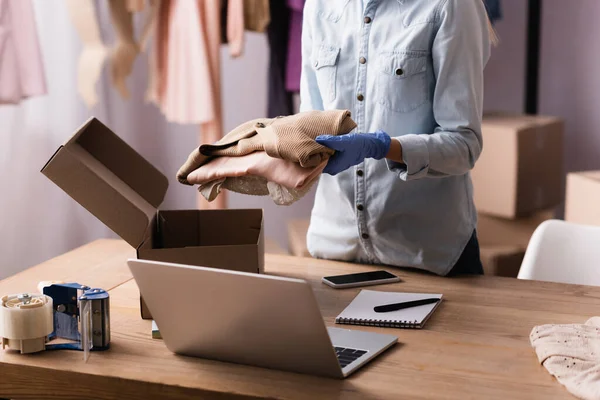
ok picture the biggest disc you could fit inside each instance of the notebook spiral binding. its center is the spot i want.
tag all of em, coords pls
(387, 323)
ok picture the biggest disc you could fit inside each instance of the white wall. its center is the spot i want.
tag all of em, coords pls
(569, 80)
(504, 78)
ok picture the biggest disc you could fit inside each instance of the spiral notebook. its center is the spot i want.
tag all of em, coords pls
(360, 311)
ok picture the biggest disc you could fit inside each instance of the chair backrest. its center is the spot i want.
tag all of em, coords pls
(564, 252)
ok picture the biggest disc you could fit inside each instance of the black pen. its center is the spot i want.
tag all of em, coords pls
(406, 304)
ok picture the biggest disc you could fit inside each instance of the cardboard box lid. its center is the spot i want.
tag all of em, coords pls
(110, 179)
(517, 121)
(594, 175)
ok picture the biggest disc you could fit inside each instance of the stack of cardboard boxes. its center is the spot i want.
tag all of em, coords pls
(583, 198)
(517, 184)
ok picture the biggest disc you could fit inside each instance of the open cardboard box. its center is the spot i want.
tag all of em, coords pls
(123, 190)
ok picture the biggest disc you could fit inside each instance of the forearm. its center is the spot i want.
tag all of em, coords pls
(395, 152)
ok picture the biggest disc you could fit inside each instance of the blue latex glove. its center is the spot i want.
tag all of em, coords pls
(353, 148)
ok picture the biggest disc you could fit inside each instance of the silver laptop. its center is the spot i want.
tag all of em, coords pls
(253, 319)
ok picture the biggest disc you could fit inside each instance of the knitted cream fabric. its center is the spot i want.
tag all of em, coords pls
(290, 138)
(571, 353)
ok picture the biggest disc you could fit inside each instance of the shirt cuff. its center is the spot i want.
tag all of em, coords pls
(415, 156)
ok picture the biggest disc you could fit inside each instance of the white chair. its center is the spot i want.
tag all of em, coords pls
(563, 252)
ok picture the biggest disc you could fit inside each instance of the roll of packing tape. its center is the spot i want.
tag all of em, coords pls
(26, 320)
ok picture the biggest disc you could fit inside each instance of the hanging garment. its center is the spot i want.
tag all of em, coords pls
(224, 7)
(256, 15)
(280, 101)
(290, 138)
(494, 10)
(188, 63)
(571, 353)
(256, 174)
(294, 55)
(149, 29)
(94, 53)
(135, 5)
(21, 66)
(187, 84)
(125, 49)
(157, 60)
(235, 27)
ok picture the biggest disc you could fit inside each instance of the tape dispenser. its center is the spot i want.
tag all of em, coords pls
(76, 315)
(26, 321)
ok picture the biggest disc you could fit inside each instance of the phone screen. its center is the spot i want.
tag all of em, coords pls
(360, 277)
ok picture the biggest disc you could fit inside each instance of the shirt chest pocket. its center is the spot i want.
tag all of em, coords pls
(325, 60)
(402, 81)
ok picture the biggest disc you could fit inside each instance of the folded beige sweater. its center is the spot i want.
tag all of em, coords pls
(256, 174)
(571, 353)
(290, 138)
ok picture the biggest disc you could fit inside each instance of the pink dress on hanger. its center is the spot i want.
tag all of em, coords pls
(21, 66)
(188, 87)
(191, 90)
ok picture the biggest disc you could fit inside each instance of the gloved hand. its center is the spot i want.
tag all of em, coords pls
(353, 148)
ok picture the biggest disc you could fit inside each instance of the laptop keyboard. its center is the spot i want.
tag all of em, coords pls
(346, 355)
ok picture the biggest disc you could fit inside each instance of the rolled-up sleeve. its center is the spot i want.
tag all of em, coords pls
(460, 50)
(310, 96)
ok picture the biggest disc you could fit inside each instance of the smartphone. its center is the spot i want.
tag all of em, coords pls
(360, 279)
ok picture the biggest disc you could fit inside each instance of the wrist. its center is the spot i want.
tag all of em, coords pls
(383, 147)
(395, 151)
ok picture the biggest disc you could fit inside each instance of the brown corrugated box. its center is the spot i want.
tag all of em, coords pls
(583, 198)
(123, 190)
(501, 260)
(503, 242)
(503, 232)
(520, 170)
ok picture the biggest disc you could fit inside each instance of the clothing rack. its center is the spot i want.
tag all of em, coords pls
(534, 27)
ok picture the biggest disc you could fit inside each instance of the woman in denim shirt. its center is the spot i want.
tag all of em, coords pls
(399, 191)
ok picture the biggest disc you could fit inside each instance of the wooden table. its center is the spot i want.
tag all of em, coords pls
(474, 347)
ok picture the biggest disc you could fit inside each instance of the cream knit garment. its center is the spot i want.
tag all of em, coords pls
(571, 353)
(289, 138)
